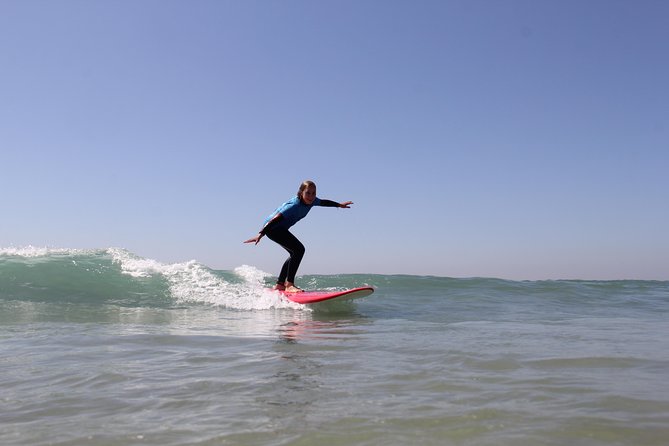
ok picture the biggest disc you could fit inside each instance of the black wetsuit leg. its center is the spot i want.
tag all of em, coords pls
(294, 247)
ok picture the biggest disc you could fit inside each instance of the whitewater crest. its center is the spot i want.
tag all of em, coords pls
(193, 282)
(30, 251)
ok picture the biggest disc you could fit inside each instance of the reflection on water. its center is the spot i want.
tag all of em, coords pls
(317, 329)
(309, 348)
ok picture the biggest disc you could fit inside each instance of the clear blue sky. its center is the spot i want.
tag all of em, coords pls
(515, 139)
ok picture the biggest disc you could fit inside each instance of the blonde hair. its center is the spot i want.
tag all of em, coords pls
(305, 185)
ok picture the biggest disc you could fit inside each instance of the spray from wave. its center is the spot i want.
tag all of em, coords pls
(117, 276)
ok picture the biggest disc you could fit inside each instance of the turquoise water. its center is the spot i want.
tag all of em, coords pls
(102, 347)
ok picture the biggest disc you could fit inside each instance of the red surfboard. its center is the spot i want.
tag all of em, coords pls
(312, 297)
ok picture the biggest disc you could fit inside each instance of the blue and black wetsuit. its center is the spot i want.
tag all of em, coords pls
(277, 227)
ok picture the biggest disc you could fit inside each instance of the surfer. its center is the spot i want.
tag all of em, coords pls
(277, 225)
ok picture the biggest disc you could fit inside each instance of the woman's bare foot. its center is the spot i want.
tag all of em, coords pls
(280, 287)
(292, 289)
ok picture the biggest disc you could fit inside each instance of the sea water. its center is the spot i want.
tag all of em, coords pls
(102, 347)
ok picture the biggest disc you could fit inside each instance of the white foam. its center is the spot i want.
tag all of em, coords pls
(39, 251)
(194, 282)
(135, 266)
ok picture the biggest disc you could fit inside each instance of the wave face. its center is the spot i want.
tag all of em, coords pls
(116, 276)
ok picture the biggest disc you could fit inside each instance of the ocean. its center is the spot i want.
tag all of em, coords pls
(103, 347)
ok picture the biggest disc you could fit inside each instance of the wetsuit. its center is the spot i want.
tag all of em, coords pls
(277, 227)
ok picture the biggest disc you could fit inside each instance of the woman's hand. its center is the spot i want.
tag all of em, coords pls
(346, 204)
(255, 239)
